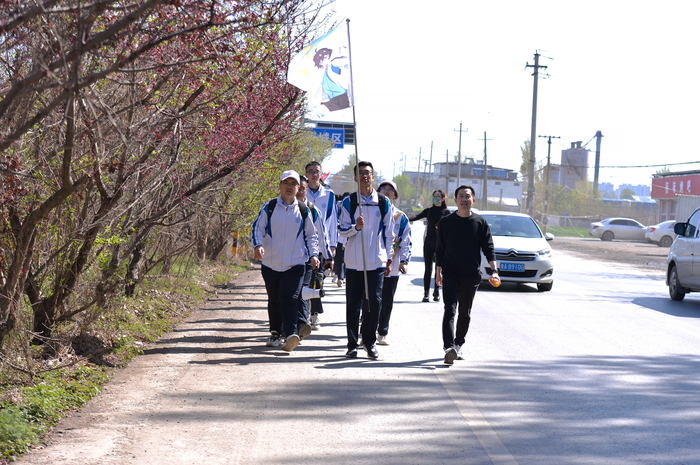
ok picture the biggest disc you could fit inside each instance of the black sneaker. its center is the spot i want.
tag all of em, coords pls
(450, 356)
(372, 352)
(304, 331)
(351, 353)
(436, 298)
(426, 298)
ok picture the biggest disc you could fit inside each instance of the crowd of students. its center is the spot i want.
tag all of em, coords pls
(366, 242)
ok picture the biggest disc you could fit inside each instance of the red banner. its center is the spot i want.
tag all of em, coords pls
(668, 187)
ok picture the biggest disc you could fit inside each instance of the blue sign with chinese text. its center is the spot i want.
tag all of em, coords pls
(332, 134)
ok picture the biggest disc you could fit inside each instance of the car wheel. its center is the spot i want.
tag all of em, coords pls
(607, 236)
(665, 241)
(675, 290)
(544, 287)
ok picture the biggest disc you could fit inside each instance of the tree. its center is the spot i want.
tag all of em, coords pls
(525, 159)
(120, 123)
(627, 193)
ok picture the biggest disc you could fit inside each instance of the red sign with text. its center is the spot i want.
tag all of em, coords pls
(670, 186)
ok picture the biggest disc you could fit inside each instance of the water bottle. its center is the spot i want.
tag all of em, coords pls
(495, 281)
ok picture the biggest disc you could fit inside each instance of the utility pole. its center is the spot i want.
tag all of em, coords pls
(459, 156)
(425, 169)
(598, 137)
(430, 179)
(485, 200)
(533, 132)
(546, 189)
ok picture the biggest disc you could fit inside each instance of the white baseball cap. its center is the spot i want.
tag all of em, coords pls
(290, 174)
(393, 186)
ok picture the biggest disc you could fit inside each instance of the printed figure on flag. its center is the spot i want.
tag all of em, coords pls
(322, 69)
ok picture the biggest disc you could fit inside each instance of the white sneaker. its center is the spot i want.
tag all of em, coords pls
(381, 340)
(313, 321)
(291, 343)
(459, 353)
(335, 278)
(339, 283)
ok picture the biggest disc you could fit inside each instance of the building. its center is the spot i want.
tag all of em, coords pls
(668, 188)
(503, 188)
(574, 165)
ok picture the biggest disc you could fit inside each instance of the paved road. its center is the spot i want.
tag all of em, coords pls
(602, 369)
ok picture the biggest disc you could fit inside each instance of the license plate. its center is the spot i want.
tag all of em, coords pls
(506, 266)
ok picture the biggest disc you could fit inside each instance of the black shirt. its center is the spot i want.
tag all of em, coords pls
(459, 243)
(434, 215)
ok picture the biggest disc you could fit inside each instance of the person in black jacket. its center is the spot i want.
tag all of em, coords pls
(461, 237)
(433, 214)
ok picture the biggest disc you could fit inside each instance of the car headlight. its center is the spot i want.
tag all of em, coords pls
(544, 252)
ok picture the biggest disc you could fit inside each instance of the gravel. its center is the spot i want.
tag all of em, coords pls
(643, 256)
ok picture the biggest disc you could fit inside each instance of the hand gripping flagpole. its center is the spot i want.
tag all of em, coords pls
(357, 169)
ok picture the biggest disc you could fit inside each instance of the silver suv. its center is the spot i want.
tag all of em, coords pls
(683, 266)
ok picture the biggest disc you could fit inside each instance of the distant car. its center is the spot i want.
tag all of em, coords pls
(522, 251)
(683, 265)
(661, 234)
(618, 228)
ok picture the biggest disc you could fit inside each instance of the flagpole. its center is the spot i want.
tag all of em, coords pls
(357, 168)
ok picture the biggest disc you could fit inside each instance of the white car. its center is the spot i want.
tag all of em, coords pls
(618, 228)
(661, 234)
(522, 251)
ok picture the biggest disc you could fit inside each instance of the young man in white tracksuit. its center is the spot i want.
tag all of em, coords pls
(324, 199)
(284, 238)
(375, 229)
(400, 256)
(323, 247)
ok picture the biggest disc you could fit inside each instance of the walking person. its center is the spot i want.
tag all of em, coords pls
(461, 237)
(401, 254)
(323, 198)
(434, 214)
(367, 224)
(339, 259)
(304, 305)
(284, 239)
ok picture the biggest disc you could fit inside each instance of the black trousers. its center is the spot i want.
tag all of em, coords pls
(283, 288)
(388, 292)
(339, 261)
(354, 296)
(429, 258)
(457, 293)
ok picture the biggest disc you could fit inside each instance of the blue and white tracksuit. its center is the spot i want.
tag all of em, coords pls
(401, 253)
(378, 237)
(289, 242)
(324, 199)
(314, 306)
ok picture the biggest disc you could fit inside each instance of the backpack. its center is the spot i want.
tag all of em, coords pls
(271, 208)
(353, 204)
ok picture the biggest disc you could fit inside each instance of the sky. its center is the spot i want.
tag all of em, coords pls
(627, 69)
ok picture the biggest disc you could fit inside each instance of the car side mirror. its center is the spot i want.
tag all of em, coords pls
(679, 228)
(549, 236)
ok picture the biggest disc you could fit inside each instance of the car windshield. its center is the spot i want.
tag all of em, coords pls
(516, 226)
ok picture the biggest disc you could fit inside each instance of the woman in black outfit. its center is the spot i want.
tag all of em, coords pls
(433, 214)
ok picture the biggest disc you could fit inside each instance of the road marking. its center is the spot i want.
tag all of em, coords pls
(489, 440)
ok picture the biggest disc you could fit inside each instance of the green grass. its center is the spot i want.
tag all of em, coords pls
(53, 394)
(30, 407)
(565, 231)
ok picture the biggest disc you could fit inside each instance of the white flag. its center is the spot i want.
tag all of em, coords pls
(322, 69)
